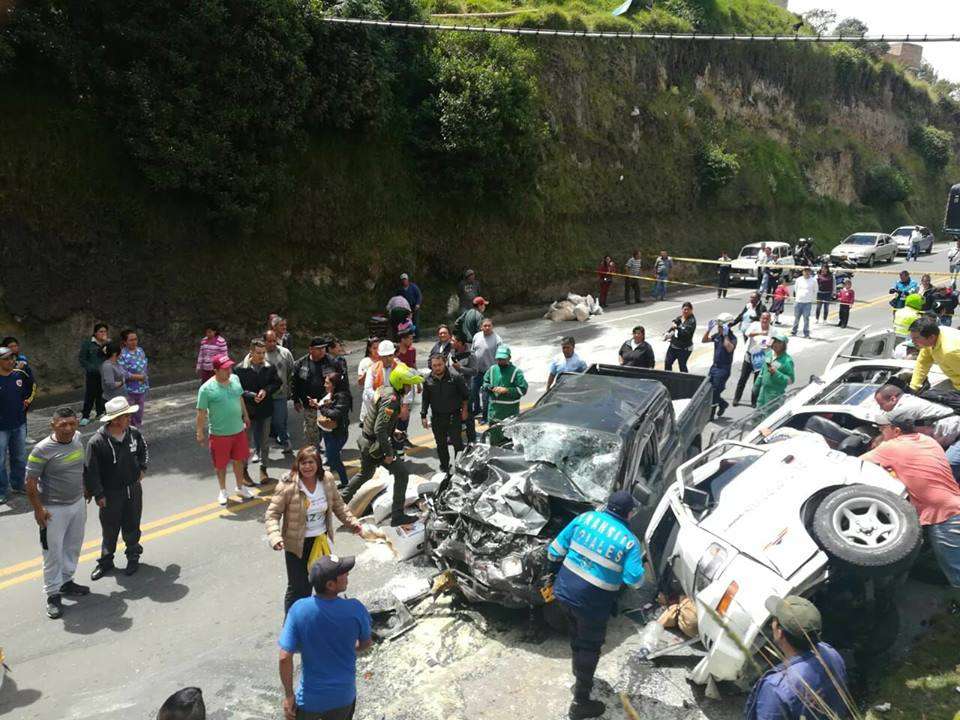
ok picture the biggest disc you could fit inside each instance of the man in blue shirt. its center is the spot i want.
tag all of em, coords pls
(600, 554)
(724, 343)
(905, 286)
(16, 394)
(327, 631)
(811, 682)
(567, 361)
(412, 293)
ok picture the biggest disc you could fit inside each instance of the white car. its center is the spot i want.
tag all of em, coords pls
(902, 237)
(744, 266)
(831, 395)
(866, 248)
(744, 522)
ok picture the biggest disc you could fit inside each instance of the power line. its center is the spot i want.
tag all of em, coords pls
(639, 35)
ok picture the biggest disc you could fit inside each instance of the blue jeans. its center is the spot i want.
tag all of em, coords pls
(478, 401)
(332, 446)
(802, 310)
(953, 457)
(914, 252)
(718, 381)
(278, 422)
(660, 287)
(945, 539)
(16, 442)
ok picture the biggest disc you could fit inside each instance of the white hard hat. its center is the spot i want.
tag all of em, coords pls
(386, 348)
(724, 317)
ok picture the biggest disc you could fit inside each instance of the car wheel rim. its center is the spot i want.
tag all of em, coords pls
(867, 523)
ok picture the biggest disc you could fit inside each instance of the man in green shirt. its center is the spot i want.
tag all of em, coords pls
(505, 385)
(776, 373)
(220, 403)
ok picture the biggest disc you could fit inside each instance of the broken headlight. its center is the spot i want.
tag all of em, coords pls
(709, 566)
(511, 566)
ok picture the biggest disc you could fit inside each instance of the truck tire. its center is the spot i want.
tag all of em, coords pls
(869, 530)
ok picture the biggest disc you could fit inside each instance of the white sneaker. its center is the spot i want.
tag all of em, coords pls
(222, 497)
(255, 458)
(244, 492)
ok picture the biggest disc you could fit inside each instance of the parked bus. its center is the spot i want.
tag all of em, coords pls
(951, 219)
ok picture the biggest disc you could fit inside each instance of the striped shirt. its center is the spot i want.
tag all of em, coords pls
(209, 349)
(632, 266)
(59, 469)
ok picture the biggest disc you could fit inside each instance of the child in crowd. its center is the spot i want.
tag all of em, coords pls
(780, 295)
(846, 296)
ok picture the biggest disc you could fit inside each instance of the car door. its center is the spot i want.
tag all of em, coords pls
(644, 480)
(891, 248)
(867, 344)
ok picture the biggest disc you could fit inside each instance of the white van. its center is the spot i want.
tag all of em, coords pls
(744, 267)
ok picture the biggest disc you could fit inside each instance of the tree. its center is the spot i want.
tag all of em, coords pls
(820, 19)
(852, 27)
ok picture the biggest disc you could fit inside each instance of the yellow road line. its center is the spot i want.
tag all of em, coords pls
(421, 443)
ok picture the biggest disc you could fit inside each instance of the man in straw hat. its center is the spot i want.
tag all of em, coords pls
(116, 461)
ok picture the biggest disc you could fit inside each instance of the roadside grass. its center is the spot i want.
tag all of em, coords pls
(923, 685)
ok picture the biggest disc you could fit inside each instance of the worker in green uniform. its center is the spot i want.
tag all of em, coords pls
(505, 385)
(776, 372)
(376, 441)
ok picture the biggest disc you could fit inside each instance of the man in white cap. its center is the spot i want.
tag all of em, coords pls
(55, 491)
(724, 344)
(116, 461)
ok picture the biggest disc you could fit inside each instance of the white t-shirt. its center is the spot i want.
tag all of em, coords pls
(805, 289)
(316, 510)
(757, 342)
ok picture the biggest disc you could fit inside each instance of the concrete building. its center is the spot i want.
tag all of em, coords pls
(908, 55)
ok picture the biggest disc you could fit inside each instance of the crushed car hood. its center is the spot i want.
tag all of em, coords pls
(499, 487)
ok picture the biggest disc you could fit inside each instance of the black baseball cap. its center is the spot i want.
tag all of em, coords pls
(320, 341)
(330, 567)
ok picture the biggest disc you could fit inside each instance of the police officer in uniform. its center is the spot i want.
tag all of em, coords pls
(600, 554)
(308, 387)
(376, 441)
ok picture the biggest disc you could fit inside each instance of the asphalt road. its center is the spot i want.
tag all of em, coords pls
(206, 607)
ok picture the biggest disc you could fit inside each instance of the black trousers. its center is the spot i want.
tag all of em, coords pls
(298, 579)
(368, 466)
(447, 431)
(340, 713)
(632, 286)
(844, 315)
(92, 395)
(747, 373)
(681, 357)
(587, 635)
(121, 515)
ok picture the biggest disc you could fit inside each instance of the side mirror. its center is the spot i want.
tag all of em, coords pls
(640, 493)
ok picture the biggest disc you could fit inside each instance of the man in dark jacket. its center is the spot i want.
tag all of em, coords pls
(467, 290)
(90, 358)
(115, 463)
(308, 385)
(636, 352)
(259, 380)
(445, 394)
(464, 363)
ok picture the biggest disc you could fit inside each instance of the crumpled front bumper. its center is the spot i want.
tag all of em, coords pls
(490, 565)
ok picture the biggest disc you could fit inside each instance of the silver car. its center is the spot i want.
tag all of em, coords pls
(902, 237)
(866, 248)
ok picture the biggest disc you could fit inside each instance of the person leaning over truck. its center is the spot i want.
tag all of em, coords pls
(505, 384)
(940, 345)
(776, 372)
(599, 555)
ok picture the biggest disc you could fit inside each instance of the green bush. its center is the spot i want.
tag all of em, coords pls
(208, 96)
(885, 185)
(716, 168)
(480, 127)
(934, 145)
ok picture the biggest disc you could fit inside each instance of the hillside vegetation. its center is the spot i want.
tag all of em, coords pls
(226, 158)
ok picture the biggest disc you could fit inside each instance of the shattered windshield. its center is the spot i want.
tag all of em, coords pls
(588, 458)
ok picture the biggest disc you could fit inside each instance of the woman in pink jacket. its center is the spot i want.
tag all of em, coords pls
(211, 345)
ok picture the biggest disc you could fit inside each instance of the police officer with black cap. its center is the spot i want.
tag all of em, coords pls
(599, 554)
(811, 682)
(307, 385)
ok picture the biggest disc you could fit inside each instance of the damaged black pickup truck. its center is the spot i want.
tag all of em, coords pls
(607, 429)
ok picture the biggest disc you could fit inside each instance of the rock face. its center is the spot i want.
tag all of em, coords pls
(83, 238)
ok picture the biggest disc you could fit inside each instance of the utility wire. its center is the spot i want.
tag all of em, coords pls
(639, 35)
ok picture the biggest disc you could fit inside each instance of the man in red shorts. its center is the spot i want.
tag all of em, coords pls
(220, 402)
